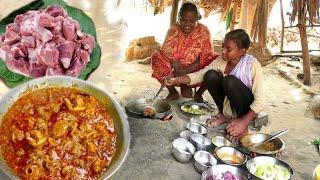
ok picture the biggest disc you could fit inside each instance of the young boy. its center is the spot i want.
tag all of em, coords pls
(235, 83)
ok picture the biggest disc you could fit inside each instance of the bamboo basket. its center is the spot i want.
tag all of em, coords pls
(141, 48)
(313, 109)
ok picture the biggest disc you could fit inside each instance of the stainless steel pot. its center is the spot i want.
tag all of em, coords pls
(115, 110)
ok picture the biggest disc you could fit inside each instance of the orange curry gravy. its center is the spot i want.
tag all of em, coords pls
(58, 133)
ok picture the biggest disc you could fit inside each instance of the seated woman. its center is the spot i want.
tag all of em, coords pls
(234, 82)
(187, 48)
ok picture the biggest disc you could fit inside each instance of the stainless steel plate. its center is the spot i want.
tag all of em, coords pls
(192, 108)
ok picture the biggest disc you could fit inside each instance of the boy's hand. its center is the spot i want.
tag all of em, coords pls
(237, 127)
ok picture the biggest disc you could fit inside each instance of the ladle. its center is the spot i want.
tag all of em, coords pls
(271, 137)
(162, 86)
(149, 110)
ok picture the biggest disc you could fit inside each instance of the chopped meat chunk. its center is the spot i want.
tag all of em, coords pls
(69, 30)
(44, 43)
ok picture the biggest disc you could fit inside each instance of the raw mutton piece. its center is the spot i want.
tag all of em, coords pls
(44, 43)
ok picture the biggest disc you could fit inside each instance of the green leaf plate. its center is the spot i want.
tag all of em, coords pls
(86, 24)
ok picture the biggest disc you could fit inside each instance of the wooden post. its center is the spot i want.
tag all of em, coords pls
(174, 12)
(263, 24)
(256, 25)
(234, 15)
(224, 14)
(243, 24)
(282, 26)
(304, 45)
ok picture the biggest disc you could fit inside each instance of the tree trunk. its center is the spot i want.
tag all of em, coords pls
(174, 12)
(305, 55)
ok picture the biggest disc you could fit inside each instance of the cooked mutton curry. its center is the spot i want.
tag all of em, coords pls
(58, 133)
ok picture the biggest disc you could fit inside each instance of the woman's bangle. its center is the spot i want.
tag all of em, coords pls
(178, 80)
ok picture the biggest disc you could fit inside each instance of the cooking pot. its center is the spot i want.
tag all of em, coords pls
(119, 117)
(274, 147)
(136, 107)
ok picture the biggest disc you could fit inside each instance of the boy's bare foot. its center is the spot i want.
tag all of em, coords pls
(198, 97)
(217, 120)
(173, 95)
(244, 133)
(236, 140)
(186, 91)
(200, 91)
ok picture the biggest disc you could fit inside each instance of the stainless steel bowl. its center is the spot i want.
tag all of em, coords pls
(197, 128)
(273, 147)
(250, 165)
(186, 134)
(201, 142)
(230, 155)
(218, 141)
(203, 160)
(182, 150)
(220, 169)
(115, 110)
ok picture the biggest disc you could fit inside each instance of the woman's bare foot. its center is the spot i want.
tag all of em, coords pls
(186, 91)
(173, 94)
(217, 120)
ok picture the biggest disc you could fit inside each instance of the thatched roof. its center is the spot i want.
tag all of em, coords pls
(219, 6)
(309, 10)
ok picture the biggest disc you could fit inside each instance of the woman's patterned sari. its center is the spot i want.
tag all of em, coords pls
(178, 47)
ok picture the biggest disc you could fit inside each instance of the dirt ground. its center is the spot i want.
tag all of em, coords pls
(292, 68)
(286, 105)
(150, 149)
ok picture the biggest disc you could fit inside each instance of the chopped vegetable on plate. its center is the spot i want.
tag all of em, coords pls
(270, 171)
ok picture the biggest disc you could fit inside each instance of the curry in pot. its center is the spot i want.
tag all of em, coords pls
(58, 133)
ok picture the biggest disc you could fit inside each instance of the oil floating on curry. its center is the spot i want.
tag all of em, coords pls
(54, 133)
